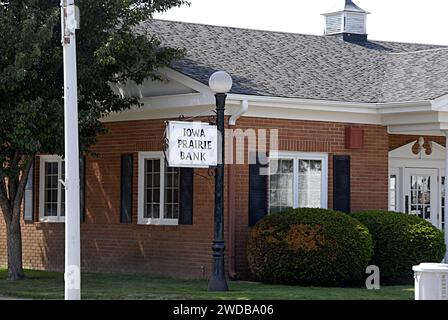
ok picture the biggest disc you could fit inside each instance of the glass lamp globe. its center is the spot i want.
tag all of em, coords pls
(220, 82)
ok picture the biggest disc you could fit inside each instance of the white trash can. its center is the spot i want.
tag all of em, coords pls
(431, 281)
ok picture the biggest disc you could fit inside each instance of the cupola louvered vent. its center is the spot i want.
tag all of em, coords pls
(333, 24)
(349, 23)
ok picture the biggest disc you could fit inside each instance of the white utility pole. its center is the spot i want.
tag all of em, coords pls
(72, 276)
(446, 195)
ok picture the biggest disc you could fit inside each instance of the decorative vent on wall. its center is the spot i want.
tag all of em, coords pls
(354, 138)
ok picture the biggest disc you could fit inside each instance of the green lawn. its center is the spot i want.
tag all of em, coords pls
(49, 285)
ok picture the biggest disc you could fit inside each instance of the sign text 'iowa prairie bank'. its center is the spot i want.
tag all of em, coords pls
(192, 144)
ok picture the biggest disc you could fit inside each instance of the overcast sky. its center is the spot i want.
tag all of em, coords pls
(423, 21)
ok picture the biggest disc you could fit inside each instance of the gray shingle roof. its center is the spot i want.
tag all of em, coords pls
(292, 65)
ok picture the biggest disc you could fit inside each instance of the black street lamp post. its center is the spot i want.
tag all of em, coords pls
(221, 83)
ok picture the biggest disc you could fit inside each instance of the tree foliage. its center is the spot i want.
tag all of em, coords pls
(109, 51)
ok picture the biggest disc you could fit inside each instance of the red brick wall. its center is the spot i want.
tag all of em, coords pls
(185, 251)
(369, 167)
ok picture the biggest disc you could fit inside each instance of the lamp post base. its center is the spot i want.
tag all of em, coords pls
(217, 285)
(218, 282)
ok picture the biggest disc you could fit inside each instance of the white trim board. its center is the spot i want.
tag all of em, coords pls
(403, 157)
(405, 152)
(408, 116)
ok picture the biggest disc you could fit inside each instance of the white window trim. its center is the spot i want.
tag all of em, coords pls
(296, 156)
(42, 217)
(142, 156)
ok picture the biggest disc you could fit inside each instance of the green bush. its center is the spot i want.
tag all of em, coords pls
(309, 247)
(401, 241)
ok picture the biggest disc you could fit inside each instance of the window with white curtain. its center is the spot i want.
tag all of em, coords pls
(394, 178)
(393, 192)
(298, 180)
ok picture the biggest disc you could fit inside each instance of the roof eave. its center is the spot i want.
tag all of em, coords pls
(421, 105)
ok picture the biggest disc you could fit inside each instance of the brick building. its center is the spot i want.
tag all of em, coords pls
(361, 125)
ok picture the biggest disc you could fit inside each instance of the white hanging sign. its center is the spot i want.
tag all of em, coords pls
(192, 144)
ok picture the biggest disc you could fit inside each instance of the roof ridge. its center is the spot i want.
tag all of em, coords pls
(418, 51)
(241, 28)
(321, 36)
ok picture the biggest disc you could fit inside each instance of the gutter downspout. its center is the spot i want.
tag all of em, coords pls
(243, 109)
(231, 194)
(232, 218)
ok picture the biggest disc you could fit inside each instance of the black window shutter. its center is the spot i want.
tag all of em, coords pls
(186, 196)
(258, 190)
(341, 183)
(82, 187)
(28, 202)
(126, 188)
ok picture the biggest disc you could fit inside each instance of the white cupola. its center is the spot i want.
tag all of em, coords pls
(350, 23)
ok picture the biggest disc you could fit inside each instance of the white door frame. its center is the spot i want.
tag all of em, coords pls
(403, 159)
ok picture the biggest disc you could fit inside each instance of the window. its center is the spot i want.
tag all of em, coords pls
(393, 192)
(281, 193)
(394, 181)
(298, 181)
(158, 200)
(310, 183)
(52, 192)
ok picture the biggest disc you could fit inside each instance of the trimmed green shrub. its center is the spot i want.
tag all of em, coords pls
(309, 247)
(401, 241)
